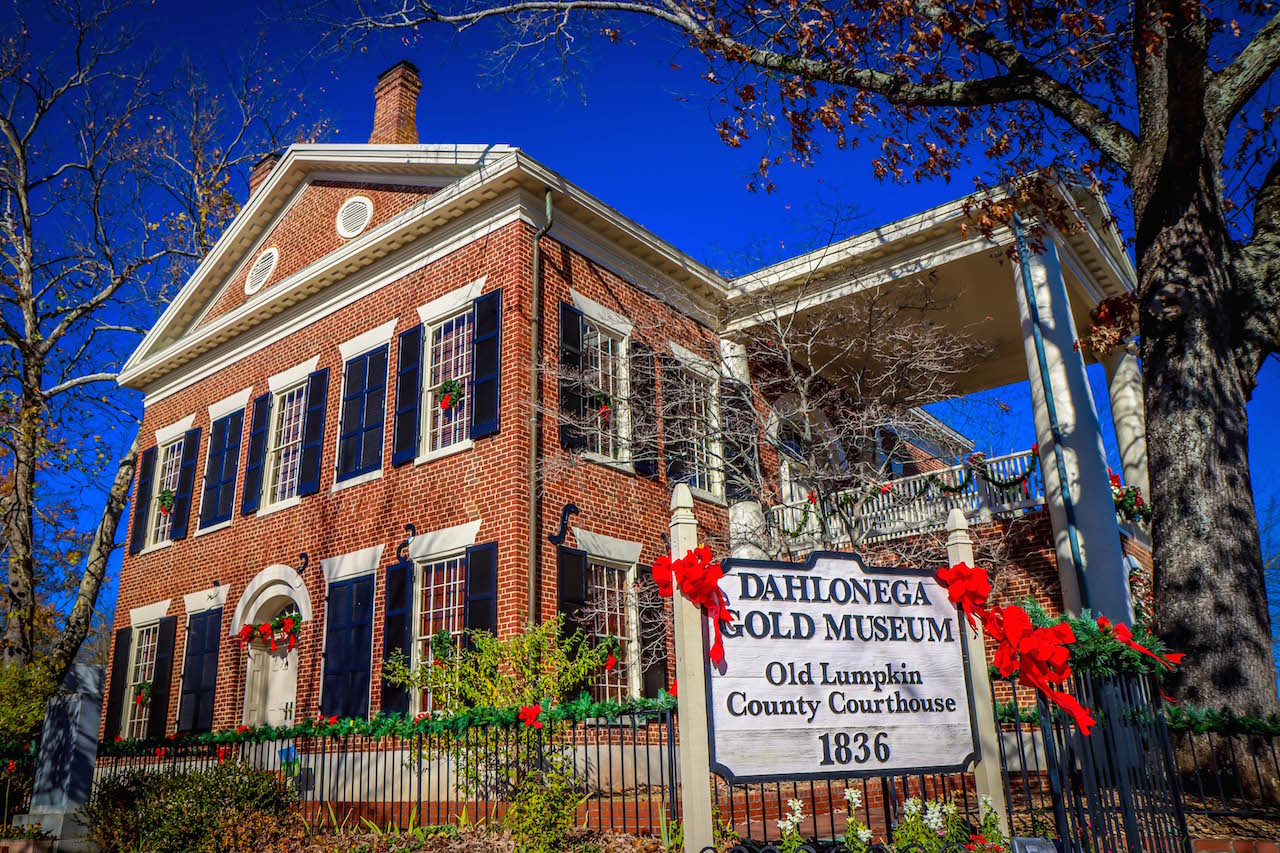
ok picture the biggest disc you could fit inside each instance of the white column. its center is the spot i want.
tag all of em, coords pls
(691, 689)
(1124, 384)
(1087, 485)
(746, 518)
(986, 773)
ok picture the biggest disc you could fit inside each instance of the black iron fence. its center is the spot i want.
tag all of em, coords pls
(1116, 789)
(1228, 773)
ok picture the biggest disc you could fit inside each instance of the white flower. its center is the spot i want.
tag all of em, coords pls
(864, 834)
(911, 807)
(933, 817)
(796, 806)
(949, 808)
(984, 805)
(853, 797)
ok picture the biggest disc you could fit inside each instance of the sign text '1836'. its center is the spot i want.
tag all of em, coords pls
(858, 748)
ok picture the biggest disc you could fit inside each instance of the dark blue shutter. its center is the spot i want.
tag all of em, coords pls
(397, 630)
(486, 365)
(257, 455)
(642, 399)
(348, 646)
(121, 652)
(373, 419)
(481, 613)
(738, 440)
(408, 412)
(200, 671)
(313, 432)
(571, 588)
(186, 482)
(677, 408)
(571, 398)
(142, 500)
(361, 415)
(161, 679)
(652, 613)
(220, 469)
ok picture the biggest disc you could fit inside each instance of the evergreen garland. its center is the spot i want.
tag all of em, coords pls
(403, 726)
(1096, 652)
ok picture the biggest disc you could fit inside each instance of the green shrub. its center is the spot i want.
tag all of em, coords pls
(191, 810)
(543, 813)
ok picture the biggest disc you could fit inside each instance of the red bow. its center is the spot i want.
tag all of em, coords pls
(662, 575)
(246, 633)
(222, 754)
(529, 716)
(609, 663)
(699, 579)
(1125, 637)
(444, 401)
(1038, 655)
(968, 588)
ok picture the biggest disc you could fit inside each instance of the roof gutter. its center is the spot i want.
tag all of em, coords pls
(535, 362)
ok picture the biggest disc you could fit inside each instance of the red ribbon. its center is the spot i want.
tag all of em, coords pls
(529, 716)
(1125, 637)
(968, 588)
(1038, 655)
(699, 579)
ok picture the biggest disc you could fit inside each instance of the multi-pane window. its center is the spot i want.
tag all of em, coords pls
(166, 486)
(604, 366)
(442, 592)
(696, 414)
(448, 418)
(609, 617)
(141, 671)
(364, 398)
(285, 457)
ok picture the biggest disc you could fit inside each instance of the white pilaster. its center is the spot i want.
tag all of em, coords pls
(1124, 384)
(1087, 484)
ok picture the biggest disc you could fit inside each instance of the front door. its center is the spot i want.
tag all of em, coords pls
(271, 686)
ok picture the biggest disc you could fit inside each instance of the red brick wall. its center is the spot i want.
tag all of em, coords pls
(307, 231)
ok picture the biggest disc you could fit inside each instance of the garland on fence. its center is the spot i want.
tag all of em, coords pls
(1177, 719)
(288, 624)
(403, 726)
(974, 463)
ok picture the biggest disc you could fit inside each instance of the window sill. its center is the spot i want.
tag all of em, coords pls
(708, 497)
(609, 462)
(156, 547)
(213, 528)
(358, 480)
(277, 507)
(460, 447)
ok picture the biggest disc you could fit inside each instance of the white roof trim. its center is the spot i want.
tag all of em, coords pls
(607, 547)
(174, 431)
(692, 361)
(451, 303)
(366, 341)
(353, 565)
(447, 540)
(206, 599)
(597, 313)
(232, 403)
(288, 378)
(147, 614)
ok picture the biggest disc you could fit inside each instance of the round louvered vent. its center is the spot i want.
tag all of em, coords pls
(261, 270)
(354, 216)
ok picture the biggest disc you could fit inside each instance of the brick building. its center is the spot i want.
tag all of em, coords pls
(337, 429)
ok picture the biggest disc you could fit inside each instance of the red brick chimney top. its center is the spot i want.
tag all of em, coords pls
(258, 174)
(395, 105)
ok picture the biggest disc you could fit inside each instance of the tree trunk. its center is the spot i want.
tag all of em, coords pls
(19, 527)
(1209, 577)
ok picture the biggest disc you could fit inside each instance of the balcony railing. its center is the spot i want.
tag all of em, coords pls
(915, 505)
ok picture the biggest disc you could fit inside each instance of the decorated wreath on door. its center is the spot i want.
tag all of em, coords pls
(285, 627)
(450, 394)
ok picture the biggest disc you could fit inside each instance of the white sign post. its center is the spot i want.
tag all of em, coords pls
(835, 669)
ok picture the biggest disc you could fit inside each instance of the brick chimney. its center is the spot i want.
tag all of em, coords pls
(395, 105)
(258, 174)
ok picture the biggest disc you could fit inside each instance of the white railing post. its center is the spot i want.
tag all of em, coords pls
(691, 693)
(986, 772)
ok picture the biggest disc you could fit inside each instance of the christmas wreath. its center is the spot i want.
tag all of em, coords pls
(450, 394)
(166, 501)
(602, 404)
(143, 696)
(286, 624)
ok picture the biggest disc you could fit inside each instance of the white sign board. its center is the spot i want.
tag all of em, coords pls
(835, 669)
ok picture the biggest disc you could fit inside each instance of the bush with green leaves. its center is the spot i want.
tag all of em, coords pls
(543, 813)
(189, 810)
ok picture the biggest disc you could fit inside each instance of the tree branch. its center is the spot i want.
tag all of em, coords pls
(1232, 87)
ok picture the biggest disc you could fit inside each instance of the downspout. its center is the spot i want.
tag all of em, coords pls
(1069, 507)
(535, 348)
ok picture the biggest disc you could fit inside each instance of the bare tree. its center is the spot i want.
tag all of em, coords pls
(113, 181)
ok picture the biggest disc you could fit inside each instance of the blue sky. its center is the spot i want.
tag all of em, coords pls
(639, 135)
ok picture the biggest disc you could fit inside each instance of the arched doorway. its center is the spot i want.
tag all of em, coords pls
(271, 676)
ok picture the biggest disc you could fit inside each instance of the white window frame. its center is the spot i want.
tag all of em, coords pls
(632, 658)
(714, 446)
(131, 708)
(420, 565)
(274, 413)
(154, 540)
(621, 398)
(429, 406)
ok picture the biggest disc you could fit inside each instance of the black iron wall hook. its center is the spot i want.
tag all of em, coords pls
(557, 538)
